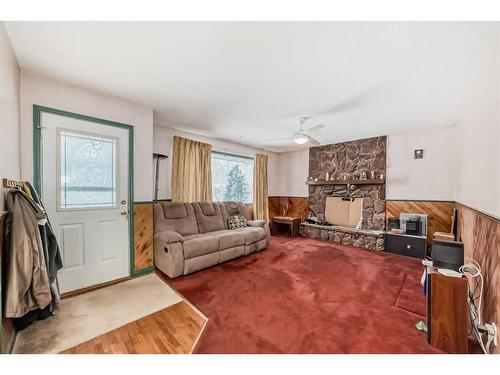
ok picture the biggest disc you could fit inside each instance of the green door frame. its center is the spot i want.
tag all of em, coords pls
(37, 160)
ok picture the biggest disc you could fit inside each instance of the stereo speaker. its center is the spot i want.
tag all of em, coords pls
(393, 223)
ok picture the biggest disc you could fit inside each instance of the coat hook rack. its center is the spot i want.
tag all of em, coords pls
(11, 184)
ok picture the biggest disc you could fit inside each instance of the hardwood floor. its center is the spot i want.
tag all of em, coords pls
(173, 330)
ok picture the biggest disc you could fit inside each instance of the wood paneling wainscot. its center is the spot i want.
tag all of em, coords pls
(439, 213)
(480, 234)
(143, 235)
(289, 206)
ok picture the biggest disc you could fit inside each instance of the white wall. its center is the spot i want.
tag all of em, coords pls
(47, 92)
(290, 171)
(431, 178)
(479, 135)
(10, 165)
(163, 142)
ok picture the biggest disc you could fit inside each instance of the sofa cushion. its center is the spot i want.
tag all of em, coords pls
(176, 217)
(198, 245)
(229, 208)
(175, 210)
(228, 239)
(235, 222)
(208, 217)
(256, 246)
(201, 262)
(252, 234)
(231, 253)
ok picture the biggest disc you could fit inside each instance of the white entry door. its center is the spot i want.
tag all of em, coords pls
(84, 176)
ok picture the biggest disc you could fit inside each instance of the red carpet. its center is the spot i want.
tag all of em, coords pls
(308, 296)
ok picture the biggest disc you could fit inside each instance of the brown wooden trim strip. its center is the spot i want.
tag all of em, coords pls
(89, 289)
(419, 200)
(484, 214)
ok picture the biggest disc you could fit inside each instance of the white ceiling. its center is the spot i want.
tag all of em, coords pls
(246, 81)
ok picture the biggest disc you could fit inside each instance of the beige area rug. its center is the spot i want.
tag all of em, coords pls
(86, 316)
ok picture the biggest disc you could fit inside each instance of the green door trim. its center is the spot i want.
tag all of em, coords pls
(37, 166)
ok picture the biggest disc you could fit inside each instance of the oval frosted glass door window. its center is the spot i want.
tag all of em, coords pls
(87, 170)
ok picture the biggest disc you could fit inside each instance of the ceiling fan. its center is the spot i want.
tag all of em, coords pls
(301, 136)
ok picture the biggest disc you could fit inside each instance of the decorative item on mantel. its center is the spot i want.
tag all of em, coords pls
(327, 177)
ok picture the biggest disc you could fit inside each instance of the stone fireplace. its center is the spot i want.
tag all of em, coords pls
(354, 169)
(350, 160)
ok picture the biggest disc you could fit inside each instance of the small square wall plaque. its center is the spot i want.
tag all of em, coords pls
(418, 154)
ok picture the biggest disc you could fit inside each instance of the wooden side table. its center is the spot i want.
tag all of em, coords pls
(291, 222)
(447, 314)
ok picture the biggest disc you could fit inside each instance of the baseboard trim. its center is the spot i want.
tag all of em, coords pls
(91, 288)
(143, 271)
(419, 200)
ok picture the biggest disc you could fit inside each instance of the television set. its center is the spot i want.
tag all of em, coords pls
(405, 217)
(447, 254)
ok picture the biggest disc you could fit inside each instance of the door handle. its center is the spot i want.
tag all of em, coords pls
(124, 212)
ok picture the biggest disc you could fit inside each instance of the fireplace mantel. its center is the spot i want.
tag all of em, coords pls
(347, 182)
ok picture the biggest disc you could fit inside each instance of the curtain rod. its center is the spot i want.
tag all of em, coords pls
(233, 154)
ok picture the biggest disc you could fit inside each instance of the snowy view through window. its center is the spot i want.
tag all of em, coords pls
(232, 178)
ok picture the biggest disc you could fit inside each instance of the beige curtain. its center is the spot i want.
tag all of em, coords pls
(191, 171)
(260, 210)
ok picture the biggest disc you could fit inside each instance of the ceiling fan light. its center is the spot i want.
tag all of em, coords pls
(301, 138)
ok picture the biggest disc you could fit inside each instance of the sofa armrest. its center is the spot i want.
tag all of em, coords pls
(169, 253)
(169, 237)
(256, 223)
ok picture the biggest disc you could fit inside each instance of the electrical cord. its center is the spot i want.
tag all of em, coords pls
(474, 270)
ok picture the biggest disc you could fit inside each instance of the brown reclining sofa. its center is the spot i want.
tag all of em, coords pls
(193, 236)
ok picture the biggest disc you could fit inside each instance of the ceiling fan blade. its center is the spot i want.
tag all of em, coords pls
(313, 141)
(316, 128)
(277, 139)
